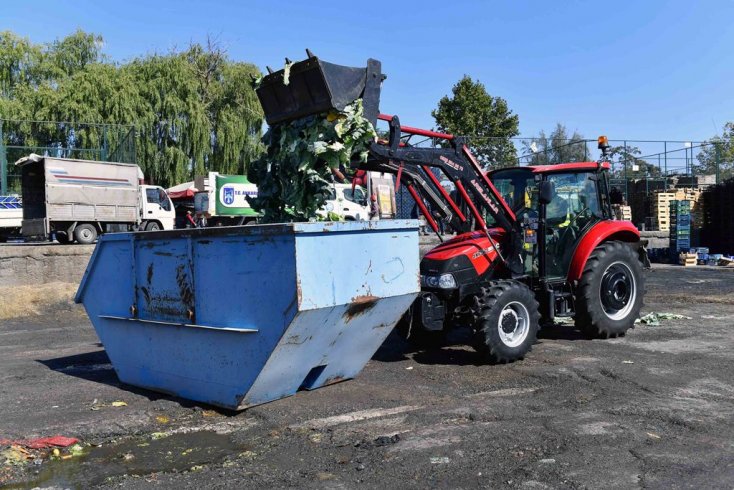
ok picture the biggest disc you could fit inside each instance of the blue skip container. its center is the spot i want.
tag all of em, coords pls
(239, 316)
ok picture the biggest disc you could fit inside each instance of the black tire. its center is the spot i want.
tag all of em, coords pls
(505, 309)
(85, 234)
(410, 329)
(152, 226)
(609, 293)
(63, 238)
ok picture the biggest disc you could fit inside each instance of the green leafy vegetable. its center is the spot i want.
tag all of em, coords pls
(293, 176)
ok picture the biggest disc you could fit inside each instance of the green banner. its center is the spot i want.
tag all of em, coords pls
(231, 193)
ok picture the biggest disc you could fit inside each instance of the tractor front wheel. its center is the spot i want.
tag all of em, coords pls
(609, 293)
(507, 321)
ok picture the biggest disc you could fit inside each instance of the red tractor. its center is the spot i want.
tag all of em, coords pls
(532, 243)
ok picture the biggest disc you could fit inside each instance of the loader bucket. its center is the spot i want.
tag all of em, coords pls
(238, 316)
(315, 86)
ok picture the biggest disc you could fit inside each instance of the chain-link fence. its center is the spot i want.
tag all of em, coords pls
(88, 141)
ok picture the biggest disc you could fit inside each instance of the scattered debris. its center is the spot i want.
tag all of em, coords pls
(654, 318)
(628, 362)
(547, 461)
(158, 435)
(652, 435)
(118, 403)
(386, 440)
(15, 456)
(162, 419)
(439, 460)
(409, 368)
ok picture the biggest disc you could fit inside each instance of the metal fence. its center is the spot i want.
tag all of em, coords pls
(639, 167)
(88, 141)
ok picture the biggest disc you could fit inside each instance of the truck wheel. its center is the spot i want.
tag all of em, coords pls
(410, 329)
(85, 234)
(152, 226)
(63, 238)
(609, 294)
(507, 321)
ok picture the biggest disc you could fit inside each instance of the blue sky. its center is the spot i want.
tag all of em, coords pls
(635, 70)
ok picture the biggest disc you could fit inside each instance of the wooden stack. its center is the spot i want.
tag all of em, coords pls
(661, 209)
(661, 206)
(687, 259)
(622, 212)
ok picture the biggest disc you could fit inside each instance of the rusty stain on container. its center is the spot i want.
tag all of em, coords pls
(150, 272)
(146, 294)
(187, 295)
(359, 305)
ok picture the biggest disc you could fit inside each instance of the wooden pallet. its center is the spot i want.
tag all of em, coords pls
(688, 260)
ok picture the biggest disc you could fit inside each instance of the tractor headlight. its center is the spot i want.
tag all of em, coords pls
(444, 281)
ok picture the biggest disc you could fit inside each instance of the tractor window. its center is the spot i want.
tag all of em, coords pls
(575, 205)
(518, 188)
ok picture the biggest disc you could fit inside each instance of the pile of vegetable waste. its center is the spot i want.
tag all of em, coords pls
(294, 175)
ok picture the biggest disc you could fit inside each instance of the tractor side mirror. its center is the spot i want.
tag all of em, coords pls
(546, 191)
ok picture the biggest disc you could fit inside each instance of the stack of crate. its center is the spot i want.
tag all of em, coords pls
(661, 209)
(622, 212)
(680, 226)
(695, 197)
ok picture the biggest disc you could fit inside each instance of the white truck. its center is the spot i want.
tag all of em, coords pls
(350, 204)
(221, 200)
(76, 200)
(11, 217)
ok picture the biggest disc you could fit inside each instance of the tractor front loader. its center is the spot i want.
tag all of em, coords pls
(532, 243)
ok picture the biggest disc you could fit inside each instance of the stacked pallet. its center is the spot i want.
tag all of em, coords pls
(622, 212)
(687, 260)
(719, 217)
(661, 207)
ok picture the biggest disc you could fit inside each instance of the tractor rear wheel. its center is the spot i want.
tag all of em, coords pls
(609, 293)
(507, 321)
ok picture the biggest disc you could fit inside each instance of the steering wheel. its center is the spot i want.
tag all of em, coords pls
(572, 222)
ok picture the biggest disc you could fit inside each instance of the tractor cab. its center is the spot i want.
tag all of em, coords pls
(576, 200)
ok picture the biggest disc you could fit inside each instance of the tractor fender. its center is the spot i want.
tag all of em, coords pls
(601, 232)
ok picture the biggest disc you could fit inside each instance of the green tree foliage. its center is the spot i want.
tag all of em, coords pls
(627, 159)
(486, 120)
(717, 154)
(559, 147)
(193, 110)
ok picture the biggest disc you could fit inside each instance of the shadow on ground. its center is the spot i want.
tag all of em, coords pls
(95, 366)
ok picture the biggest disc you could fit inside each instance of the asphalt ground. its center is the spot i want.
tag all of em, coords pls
(654, 409)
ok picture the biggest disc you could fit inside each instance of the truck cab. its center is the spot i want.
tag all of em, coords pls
(156, 209)
(350, 204)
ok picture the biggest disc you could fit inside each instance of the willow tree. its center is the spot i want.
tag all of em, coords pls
(193, 110)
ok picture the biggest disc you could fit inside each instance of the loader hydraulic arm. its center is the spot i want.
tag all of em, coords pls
(456, 162)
